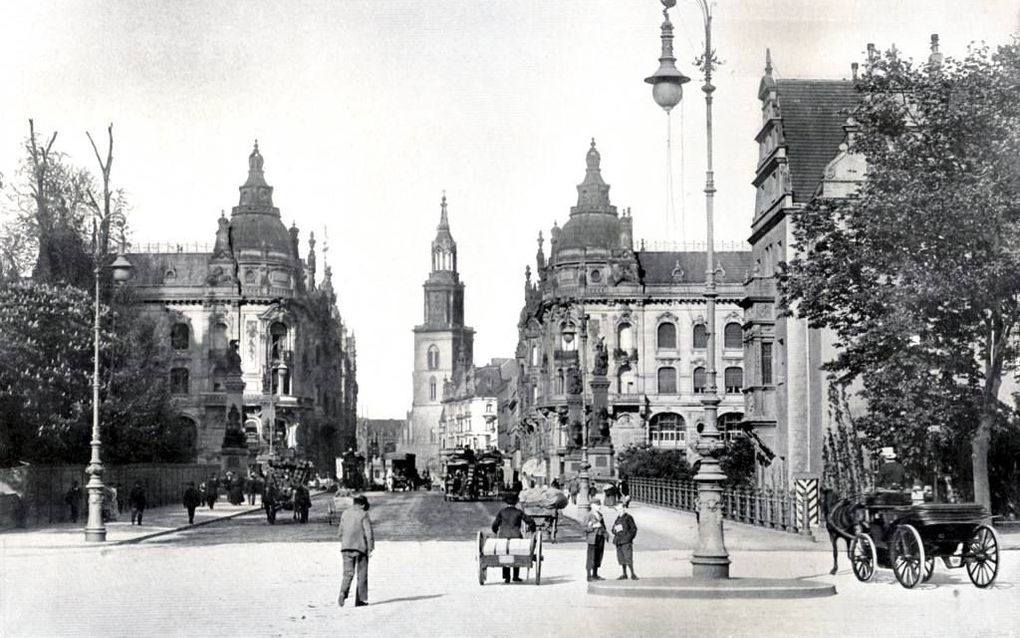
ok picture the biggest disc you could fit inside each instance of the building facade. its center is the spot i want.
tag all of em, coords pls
(260, 354)
(619, 336)
(470, 416)
(443, 347)
(802, 155)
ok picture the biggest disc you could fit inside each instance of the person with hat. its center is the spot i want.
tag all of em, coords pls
(192, 499)
(891, 474)
(508, 524)
(357, 542)
(595, 536)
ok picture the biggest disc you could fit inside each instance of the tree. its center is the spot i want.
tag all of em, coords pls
(918, 274)
(46, 373)
(650, 462)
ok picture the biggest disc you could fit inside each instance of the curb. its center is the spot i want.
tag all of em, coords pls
(145, 537)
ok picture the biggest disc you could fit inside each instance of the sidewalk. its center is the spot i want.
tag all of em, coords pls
(156, 522)
(664, 528)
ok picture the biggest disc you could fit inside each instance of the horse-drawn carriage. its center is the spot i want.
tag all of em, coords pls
(286, 488)
(510, 553)
(894, 534)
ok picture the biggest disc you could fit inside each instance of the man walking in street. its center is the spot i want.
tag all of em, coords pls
(73, 500)
(137, 502)
(192, 499)
(357, 543)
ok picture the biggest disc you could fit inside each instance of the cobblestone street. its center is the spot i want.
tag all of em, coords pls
(242, 577)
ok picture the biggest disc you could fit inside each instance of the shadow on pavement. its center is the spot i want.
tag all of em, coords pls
(406, 599)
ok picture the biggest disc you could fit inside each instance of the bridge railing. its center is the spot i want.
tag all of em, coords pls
(762, 507)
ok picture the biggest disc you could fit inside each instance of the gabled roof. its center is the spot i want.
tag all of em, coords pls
(813, 112)
(659, 267)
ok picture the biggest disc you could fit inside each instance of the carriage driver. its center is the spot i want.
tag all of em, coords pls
(891, 474)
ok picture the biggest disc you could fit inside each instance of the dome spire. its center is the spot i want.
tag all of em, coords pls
(256, 194)
(444, 222)
(593, 192)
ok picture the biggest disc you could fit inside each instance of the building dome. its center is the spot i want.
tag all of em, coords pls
(255, 224)
(593, 222)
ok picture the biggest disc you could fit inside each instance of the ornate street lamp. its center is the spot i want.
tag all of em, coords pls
(584, 478)
(710, 559)
(95, 529)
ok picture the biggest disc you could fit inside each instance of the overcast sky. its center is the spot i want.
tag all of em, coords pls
(366, 110)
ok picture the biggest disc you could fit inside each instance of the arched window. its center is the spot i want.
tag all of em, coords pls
(699, 380)
(180, 336)
(559, 381)
(189, 434)
(179, 381)
(667, 430)
(700, 336)
(433, 357)
(666, 336)
(218, 338)
(432, 389)
(625, 337)
(667, 380)
(734, 378)
(534, 355)
(733, 336)
(277, 340)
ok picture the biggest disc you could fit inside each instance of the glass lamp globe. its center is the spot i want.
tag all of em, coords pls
(667, 94)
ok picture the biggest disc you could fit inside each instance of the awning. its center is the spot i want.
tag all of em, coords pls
(534, 467)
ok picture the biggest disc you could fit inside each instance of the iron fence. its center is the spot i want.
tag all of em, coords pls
(763, 507)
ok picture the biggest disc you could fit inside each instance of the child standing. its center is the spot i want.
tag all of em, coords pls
(624, 531)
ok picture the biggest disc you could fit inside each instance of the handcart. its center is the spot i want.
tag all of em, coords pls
(510, 552)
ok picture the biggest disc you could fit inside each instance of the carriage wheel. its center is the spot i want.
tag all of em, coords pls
(863, 557)
(908, 556)
(981, 556)
(929, 568)
(481, 573)
(538, 562)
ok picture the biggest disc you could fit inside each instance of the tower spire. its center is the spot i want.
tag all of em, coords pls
(444, 222)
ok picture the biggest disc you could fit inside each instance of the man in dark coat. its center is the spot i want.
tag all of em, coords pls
(624, 531)
(137, 502)
(595, 536)
(508, 525)
(212, 490)
(73, 500)
(192, 499)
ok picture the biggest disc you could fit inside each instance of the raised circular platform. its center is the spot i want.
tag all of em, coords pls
(704, 588)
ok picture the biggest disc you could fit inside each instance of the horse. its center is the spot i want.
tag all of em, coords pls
(842, 520)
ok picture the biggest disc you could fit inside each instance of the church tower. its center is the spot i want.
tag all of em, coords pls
(443, 345)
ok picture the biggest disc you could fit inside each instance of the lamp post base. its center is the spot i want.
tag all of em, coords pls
(95, 535)
(710, 567)
(95, 531)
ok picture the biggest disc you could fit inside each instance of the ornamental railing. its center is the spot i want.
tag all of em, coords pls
(761, 507)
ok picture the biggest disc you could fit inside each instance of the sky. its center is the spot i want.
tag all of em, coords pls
(367, 110)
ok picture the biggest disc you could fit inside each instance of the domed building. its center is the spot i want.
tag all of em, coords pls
(262, 361)
(618, 334)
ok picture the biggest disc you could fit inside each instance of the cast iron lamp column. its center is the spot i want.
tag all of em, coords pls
(95, 529)
(710, 559)
(583, 477)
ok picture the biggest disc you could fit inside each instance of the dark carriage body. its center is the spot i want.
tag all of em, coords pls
(908, 539)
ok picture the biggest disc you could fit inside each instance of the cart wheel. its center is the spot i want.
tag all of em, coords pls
(981, 556)
(907, 556)
(481, 573)
(538, 562)
(929, 568)
(863, 557)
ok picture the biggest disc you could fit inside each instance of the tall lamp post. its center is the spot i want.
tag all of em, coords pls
(583, 476)
(710, 559)
(95, 529)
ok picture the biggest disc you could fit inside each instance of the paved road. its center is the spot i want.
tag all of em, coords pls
(245, 578)
(399, 516)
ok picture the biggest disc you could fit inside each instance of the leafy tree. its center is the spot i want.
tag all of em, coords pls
(918, 274)
(650, 462)
(45, 379)
(737, 461)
